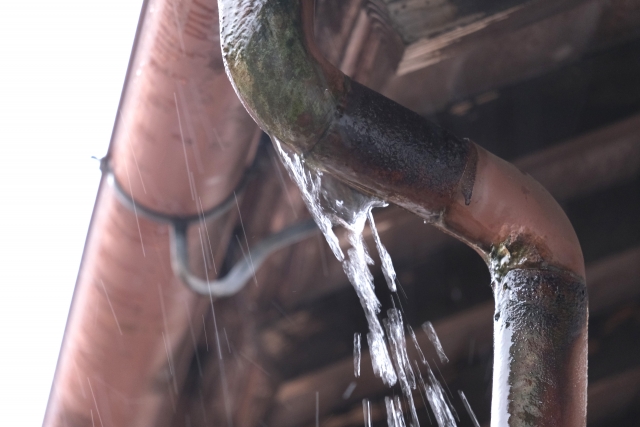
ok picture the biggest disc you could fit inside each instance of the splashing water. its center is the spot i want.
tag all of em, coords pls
(366, 411)
(428, 328)
(387, 266)
(394, 412)
(356, 355)
(395, 331)
(310, 185)
(332, 203)
(416, 345)
(435, 395)
(467, 406)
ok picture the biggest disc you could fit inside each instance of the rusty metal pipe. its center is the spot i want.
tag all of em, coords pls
(384, 149)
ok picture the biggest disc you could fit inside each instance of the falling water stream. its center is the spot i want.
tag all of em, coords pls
(333, 203)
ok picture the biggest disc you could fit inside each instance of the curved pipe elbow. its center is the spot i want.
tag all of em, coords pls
(380, 147)
(514, 220)
(384, 149)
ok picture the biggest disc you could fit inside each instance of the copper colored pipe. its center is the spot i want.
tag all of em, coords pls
(384, 149)
(180, 144)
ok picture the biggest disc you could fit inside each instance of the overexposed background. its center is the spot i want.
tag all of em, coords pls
(62, 66)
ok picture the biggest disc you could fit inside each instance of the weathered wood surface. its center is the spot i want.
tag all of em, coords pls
(528, 40)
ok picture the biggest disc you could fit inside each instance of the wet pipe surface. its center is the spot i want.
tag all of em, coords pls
(378, 146)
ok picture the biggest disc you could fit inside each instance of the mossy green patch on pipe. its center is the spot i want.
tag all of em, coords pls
(273, 71)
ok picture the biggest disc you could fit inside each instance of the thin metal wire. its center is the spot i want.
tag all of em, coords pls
(242, 271)
(127, 200)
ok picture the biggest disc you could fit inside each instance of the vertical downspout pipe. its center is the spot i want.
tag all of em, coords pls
(381, 148)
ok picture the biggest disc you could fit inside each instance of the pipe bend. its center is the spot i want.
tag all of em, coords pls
(379, 146)
(384, 149)
(286, 85)
(514, 220)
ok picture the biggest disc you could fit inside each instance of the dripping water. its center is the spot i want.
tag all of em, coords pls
(333, 203)
(428, 328)
(467, 406)
(366, 412)
(356, 355)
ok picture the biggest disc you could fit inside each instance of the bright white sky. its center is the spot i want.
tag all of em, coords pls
(62, 66)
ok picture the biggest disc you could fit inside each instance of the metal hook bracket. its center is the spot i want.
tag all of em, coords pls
(242, 271)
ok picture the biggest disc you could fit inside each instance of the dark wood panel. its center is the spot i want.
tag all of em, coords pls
(499, 51)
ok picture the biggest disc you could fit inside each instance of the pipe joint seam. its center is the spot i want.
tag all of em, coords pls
(376, 144)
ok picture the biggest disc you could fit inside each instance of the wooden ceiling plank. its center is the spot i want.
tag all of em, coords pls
(506, 48)
(611, 396)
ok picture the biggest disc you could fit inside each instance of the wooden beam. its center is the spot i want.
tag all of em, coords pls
(589, 163)
(611, 396)
(511, 46)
